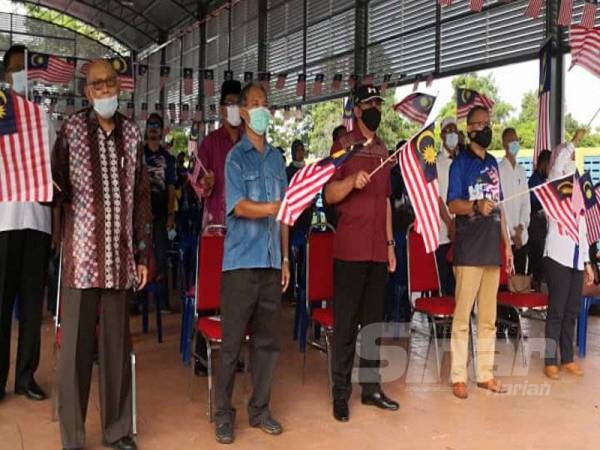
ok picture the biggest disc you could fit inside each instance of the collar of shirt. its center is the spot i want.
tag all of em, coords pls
(248, 146)
(470, 152)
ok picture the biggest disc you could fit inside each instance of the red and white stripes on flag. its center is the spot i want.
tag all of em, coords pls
(534, 8)
(50, 69)
(317, 87)
(559, 207)
(208, 83)
(304, 185)
(188, 81)
(423, 194)
(336, 82)
(588, 18)
(592, 220)
(445, 2)
(301, 85)
(25, 174)
(585, 48)
(542, 137)
(565, 16)
(281, 79)
(476, 5)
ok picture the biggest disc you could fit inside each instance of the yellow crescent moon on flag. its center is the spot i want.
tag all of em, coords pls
(429, 152)
(466, 95)
(565, 188)
(38, 60)
(587, 190)
(118, 64)
(3, 101)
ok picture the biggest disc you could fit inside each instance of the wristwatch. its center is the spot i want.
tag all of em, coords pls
(391, 243)
(286, 260)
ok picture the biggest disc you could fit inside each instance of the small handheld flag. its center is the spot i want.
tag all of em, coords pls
(416, 107)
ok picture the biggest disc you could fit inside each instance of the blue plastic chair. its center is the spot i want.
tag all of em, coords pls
(584, 309)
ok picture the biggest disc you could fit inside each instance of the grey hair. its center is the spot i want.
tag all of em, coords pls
(247, 88)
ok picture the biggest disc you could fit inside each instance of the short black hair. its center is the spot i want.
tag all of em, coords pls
(337, 131)
(13, 50)
(508, 130)
(156, 115)
(248, 88)
(473, 110)
(230, 87)
(295, 145)
(544, 157)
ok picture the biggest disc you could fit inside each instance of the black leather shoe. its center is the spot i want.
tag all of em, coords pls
(269, 425)
(224, 433)
(380, 400)
(32, 391)
(341, 412)
(125, 443)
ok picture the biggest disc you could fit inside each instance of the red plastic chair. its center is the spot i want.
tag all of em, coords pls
(207, 298)
(423, 279)
(520, 303)
(319, 287)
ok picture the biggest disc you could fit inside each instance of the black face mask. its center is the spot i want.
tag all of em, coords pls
(482, 138)
(371, 118)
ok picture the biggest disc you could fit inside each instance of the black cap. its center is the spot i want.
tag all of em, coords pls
(366, 92)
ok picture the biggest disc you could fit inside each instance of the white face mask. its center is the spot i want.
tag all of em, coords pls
(19, 82)
(106, 107)
(233, 115)
(451, 141)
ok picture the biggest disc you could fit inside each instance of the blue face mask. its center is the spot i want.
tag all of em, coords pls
(259, 119)
(514, 147)
(106, 107)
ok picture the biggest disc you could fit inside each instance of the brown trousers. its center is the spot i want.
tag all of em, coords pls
(80, 310)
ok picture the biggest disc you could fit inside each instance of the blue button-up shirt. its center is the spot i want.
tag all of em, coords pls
(260, 177)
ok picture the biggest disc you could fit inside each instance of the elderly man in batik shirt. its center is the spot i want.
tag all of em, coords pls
(98, 165)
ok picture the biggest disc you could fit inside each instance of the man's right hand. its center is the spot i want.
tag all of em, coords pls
(209, 179)
(361, 179)
(275, 206)
(485, 206)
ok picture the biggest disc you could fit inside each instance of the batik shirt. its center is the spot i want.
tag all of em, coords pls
(105, 195)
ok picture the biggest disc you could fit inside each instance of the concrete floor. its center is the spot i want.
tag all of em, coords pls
(541, 415)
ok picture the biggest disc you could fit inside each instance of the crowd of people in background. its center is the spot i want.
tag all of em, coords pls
(123, 199)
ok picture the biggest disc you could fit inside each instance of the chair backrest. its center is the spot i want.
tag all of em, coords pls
(422, 266)
(210, 272)
(319, 265)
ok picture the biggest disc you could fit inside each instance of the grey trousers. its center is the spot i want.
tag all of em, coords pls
(250, 299)
(80, 310)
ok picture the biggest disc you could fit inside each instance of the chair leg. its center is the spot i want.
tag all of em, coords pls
(210, 380)
(437, 352)
(193, 362)
(133, 396)
(520, 338)
(329, 363)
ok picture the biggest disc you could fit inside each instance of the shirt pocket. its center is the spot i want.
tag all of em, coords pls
(274, 183)
(252, 184)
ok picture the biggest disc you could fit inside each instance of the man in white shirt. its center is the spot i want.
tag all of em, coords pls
(450, 138)
(25, 229)
(514, 180)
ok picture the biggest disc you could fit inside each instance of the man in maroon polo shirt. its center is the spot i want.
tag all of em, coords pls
(363, 252)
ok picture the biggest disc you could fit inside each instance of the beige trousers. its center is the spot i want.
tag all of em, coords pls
(472, 283)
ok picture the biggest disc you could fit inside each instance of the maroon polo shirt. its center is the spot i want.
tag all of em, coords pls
(361, 228)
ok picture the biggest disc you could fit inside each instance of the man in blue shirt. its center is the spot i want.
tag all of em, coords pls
(473, 194)
(255, 266)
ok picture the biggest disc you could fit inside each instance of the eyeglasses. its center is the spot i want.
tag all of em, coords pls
(99, 85)
(156, 125)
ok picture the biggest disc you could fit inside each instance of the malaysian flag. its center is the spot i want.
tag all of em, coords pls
(416, 107)
(50, 69)
(417, 163)
(565, 15)
(585, 48)
(307, 182)
(352, 81)
(198, 113)
(25, 174)
(265, 80)
(172, 111)
(467, 99)
(298, 113)
(208, 83)
(445, 2)
(142, 70)
(188, 81)
(228, 75)
(588, 18)
(534, 8)
(317, 87)
(386, 80)
(300, 85)
(193, 139)
(555, 198)
(123, 69)
(144, 110)
(348, 115)
(476, 5)
(542, 138)
(280, 83)
(185, 112)
(165, 71)
(70, 106)
(592, 216)
(336, 82)
(248, 77)
(158, 107)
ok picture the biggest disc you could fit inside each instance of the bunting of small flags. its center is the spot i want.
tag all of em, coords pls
(336, 82)
(144, 109)
(228, 75)
(386, 80)
(188, 81)
(301, 85)
(165, 71)
(198, 113)
(208, 83)
(185, 112)
(248, 77)
(318, 84)
(280, 83)
(352, 81)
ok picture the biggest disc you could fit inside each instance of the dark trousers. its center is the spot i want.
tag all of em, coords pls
(80, 308)
(160, 242)
(564, 291)
(445, 269)
(23, 266)
(535, 249)
(250, 301)
(358, 299)
(520, 258)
